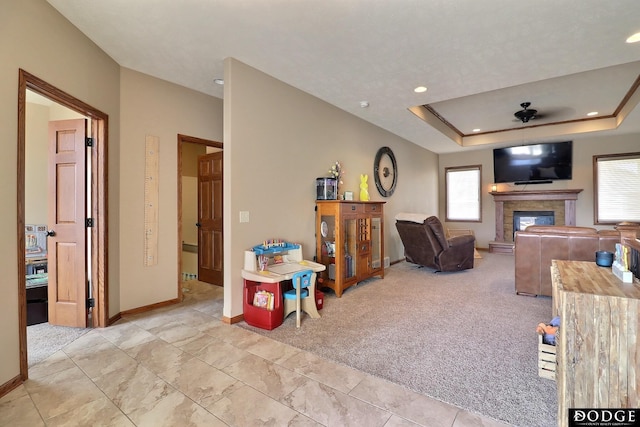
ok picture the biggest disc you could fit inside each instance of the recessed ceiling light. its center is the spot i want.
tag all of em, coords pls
(634, 38)
(364, 104)
(420, 89)
(593, 113)
(477, 130)
(218, 81)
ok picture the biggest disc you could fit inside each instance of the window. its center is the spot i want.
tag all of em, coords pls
(463, 193)
(616, 183)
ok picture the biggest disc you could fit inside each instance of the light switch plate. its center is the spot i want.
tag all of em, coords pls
(244, 216)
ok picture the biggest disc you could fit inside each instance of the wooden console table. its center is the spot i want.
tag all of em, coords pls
(598, 352)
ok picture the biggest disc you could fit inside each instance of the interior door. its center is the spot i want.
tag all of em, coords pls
(210, 218)
(67, 287)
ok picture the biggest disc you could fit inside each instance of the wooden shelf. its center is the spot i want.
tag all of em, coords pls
(503, 196)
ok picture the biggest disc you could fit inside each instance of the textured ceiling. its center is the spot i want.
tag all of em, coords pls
(479, 59)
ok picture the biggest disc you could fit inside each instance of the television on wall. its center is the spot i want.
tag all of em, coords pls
(533, 164)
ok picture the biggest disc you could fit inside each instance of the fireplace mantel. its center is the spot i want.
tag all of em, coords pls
(504, 196)
(568, 196)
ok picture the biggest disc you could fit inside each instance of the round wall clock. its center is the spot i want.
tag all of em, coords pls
(385, 171)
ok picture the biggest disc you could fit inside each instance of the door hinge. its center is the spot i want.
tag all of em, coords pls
(91, 302)
(88, 141)
(89, 222)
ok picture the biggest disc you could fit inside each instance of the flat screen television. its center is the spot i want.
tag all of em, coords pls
(533, 164)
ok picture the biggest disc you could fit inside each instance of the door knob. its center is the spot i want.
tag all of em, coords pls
(198, 224)
(51, 233)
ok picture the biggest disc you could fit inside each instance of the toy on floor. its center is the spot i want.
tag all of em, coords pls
(549, 331)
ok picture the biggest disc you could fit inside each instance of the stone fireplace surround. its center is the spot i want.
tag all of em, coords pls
(562, 202)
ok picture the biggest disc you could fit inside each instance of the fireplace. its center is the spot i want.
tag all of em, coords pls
(523, 219)
(561, 202)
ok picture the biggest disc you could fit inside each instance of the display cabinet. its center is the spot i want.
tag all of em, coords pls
(349, 242)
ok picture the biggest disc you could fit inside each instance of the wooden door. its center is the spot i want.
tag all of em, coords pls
(210, 218)
(66, 245)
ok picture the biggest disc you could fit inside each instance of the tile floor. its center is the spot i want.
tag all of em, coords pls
(181, 366)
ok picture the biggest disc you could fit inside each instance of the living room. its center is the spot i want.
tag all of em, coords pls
(272, 158)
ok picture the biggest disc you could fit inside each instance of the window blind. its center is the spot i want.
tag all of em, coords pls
(618, 188)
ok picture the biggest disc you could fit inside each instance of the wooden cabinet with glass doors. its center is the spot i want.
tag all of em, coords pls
(349, 242)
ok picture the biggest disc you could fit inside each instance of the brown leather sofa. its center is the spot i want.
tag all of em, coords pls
(536, 246)
(425, 243)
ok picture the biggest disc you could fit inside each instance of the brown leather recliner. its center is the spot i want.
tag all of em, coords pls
(426, 244)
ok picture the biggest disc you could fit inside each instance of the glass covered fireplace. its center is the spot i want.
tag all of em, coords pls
(523, 219)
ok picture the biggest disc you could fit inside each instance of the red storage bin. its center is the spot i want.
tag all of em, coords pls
(258, 316)
(319, 299)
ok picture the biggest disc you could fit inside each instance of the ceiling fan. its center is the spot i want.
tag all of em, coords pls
(526, 114)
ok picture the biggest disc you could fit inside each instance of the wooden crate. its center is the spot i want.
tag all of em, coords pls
(546, 360)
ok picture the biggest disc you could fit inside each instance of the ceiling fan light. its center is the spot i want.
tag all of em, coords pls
(525, 115)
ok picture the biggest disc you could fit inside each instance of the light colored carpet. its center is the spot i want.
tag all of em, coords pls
(465, 338)
(44, 339)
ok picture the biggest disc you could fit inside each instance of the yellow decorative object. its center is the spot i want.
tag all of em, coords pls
(364, 188)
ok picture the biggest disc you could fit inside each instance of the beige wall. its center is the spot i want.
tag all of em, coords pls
(150, 106)
(189, 209)
(33, 35)
(584, 148)
(190, 153)
(36, 164)
(277, 141)
(189, 219)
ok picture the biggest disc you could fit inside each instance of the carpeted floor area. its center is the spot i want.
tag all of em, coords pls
(465, 338)
(44, 339)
